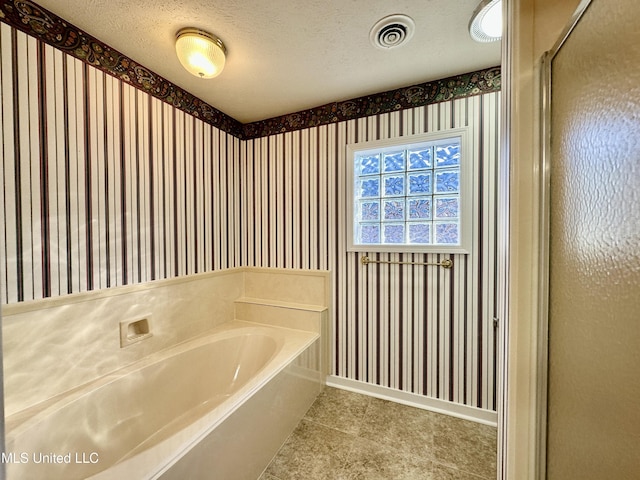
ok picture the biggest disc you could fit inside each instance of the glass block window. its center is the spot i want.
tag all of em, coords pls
(410, 195)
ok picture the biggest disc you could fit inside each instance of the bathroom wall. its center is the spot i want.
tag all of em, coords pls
(423, 330)
(106, 185)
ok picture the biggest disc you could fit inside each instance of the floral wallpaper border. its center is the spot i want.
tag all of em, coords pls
(465, 85)
(38, 22)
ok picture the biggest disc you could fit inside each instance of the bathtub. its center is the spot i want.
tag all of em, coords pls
(217, 406)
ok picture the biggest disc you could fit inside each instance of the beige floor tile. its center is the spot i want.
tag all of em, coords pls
(440, 472)
(467, 446)
(312, 451)
(370, 460)
(348, 436)
(399, 426)
(339, 409)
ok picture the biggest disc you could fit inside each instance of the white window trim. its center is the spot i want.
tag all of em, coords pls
(466, 192)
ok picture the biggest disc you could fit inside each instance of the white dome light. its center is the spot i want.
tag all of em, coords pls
(200, 53)
(486, 22)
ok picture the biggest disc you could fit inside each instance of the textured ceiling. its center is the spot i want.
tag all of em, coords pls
(283, 55)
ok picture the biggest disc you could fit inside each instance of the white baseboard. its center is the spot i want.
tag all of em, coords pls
(486, 417)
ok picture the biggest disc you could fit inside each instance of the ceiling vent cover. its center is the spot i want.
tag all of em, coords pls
(392, 31)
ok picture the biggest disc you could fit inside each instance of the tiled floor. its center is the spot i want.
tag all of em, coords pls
(345, 435)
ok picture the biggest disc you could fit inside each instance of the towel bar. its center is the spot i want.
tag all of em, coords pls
(446, 263)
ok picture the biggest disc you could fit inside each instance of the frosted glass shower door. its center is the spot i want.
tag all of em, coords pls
(593, 417)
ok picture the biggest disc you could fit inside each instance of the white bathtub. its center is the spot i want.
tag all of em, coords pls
(201, 401)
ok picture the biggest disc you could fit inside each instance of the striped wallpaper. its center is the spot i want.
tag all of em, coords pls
(105, 185)
(420, 329)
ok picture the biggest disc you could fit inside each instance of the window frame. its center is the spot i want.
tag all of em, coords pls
(466, 192)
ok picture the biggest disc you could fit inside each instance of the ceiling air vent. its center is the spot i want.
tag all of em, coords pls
(392, 31)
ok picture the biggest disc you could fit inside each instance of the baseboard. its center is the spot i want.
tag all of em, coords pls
(486, 417)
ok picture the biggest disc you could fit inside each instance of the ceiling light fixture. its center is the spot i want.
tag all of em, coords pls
(200, 53)
(486, 22)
